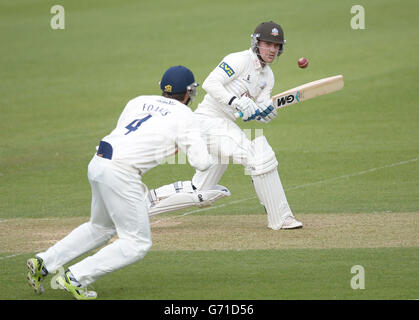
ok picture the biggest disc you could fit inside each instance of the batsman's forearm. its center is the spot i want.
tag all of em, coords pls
(214, 86)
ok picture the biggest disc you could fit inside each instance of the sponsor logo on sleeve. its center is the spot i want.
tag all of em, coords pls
(227, 69)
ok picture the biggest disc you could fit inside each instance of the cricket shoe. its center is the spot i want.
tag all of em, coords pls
(37, 273)
(67, 282)
(291, 223)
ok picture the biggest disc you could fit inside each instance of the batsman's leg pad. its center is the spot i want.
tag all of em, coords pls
(262, 166)
(208, 179)
(158, 194)
(261, 158)
(271, 194)
(183, 200)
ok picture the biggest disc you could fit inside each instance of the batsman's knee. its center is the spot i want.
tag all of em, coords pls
(261, 158)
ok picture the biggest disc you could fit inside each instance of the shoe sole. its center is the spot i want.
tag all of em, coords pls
(291, 228)
(61, 284)
(31, 281)
(31, 267)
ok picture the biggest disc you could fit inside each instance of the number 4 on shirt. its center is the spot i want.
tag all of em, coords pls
(136, 124)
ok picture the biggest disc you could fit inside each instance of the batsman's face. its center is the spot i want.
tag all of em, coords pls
(268, 50)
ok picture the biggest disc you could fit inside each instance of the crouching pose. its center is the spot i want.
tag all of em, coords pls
(149, 129)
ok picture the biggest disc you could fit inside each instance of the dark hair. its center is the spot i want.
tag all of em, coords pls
(176, 96)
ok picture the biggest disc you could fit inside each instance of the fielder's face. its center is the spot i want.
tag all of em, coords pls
(268, 50)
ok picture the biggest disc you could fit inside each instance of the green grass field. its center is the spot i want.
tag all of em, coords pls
(349, 161)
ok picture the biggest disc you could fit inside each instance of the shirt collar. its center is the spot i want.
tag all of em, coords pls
(255, 60)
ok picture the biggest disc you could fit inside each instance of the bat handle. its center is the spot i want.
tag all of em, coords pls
(238, 114)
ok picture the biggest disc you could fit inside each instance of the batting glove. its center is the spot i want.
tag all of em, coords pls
(268, 112)
(247, 107)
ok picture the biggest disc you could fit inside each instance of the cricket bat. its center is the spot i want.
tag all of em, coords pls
(305, 92)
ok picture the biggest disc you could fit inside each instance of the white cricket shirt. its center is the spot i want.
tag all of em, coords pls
(238, 74)
(150, 129)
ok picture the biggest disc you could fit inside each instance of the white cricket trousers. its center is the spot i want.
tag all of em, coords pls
(226, 141)
(118, 207)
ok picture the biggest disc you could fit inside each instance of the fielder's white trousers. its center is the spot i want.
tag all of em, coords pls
(118, 207)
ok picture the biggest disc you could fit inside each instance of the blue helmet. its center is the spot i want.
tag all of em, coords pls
(178, 79)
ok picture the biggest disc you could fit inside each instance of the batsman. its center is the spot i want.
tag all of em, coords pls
(242, 82)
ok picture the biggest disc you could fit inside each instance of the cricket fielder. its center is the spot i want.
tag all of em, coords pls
(242, 82)
(149, 129)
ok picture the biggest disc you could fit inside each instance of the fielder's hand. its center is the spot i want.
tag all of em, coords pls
(268, 111)
(247, 108)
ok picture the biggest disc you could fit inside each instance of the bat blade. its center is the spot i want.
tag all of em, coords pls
(308, 91)
(305, 92)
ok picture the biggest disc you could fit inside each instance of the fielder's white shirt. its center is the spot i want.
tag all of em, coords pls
(238, 74)
(150, 129)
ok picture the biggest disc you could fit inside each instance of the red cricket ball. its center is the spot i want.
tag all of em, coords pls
(302, 62)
